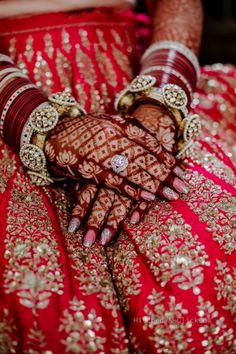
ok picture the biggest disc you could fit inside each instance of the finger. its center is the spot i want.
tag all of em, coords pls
(177, 184)
(139, 212)
(143, 169)
(179, 172)
(98, 215)
(125, 187)
(167, 193)
(117, 215)
(136, 132)
(84, 200)
(91, 171)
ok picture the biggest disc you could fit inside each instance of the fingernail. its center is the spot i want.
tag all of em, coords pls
(180, 186)
(73, 225)
(89, 238)
(135, 217)
(105, 236)
(170, 194)
(147, 195)
(179, 172)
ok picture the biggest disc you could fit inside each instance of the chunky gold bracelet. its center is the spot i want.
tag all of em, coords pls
(172, 97)
(41, 121)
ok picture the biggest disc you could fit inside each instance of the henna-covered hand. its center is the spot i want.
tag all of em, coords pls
(83, 148)
(104, 210)
(158, 120)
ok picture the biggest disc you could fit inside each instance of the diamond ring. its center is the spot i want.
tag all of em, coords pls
(119, 163)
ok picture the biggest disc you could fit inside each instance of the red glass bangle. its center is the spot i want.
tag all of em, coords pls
(175, 61)
(20, 121)
(172, 55)
(19, 113)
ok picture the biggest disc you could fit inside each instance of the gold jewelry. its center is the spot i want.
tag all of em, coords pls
(172, 97)
(41, 121)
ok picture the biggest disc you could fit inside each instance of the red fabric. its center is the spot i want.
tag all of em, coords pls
(166, 285)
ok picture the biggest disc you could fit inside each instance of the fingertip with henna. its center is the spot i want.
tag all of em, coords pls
(73, 225)
(89, 238)
(106, 236)
(135, 217)
(147, 195)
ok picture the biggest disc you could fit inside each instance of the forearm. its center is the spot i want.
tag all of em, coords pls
(180, 21)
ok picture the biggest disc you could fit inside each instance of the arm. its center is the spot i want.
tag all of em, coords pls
(180, 21)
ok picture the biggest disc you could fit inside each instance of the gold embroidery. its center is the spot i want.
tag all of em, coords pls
(32, 269)
(85, 66)
(123, 61)
(64, 70)
(169, 326)
(101, 39)
(106, 66)
(22, 65)
(82, 330)
(36, 341)
(212, 163)
(226, 286)
(95, 100)
(125, 267)
(217, 336)
(7, 168)
(7, 330)
(118, 335)
(84, 38)
(66, 41)
(29, 48)
(95, 278)
(81, 95)
(49, 49)
(43, 74)
(12, 48)
(117, 38)
(173, 252)
(215, 208)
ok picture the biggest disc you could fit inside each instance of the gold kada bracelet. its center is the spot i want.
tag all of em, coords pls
(41, 121)
(172, 97)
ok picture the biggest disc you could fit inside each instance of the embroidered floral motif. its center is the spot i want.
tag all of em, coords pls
(173, 252)
(7, 168)
(216, 208)
(217, 336)
(8, 329)
(225, 280)
(169, 324)
(123, 260)
(81, 330)
(32, 269)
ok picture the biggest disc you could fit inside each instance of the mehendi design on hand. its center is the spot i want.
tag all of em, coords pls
(83, 148)
(180, 21)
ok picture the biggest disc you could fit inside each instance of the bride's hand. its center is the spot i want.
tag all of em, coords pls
(84, 147)
(163, 125)
(103, 210)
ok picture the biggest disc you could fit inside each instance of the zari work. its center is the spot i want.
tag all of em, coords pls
(166, 285)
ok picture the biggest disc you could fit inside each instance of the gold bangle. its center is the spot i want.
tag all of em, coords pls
(41, 121)
(170, 96)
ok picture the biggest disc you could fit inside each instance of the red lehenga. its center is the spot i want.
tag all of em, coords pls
(167, 285)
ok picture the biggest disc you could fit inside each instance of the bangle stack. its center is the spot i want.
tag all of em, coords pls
(172, 62)
(27, 116)
(168, 77)
(40, 122)
(170, 96)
